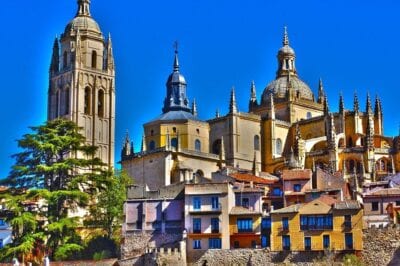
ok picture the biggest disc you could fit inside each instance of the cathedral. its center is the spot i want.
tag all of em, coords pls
(288, 128)
(82, 81)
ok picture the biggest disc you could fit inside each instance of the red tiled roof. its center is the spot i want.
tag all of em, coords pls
(297, 174)
(328, 199)
(256, 179)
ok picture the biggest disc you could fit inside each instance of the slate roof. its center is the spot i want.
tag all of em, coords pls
(176, 115)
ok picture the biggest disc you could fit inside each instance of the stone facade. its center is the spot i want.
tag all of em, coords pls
(82, 82)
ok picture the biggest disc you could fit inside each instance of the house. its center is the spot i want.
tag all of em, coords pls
(380, 205)
(295, 184)
(206, 212)
(322, 224)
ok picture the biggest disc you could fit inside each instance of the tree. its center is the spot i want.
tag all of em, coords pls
(107, 213)
(59, 173)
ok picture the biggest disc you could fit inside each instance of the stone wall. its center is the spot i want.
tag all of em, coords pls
(135, 244)
(382, 246)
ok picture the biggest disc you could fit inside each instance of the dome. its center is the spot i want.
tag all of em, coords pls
(176, 77)
(83, 23)
(280, 85)
(286, 50)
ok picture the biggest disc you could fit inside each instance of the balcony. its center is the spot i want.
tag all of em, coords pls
(283, 229)
(207, 209)
(198, 233)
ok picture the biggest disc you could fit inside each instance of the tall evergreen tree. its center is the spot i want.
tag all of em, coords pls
(58, 172)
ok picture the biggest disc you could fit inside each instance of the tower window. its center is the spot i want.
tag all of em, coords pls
(174, 129)
(309, 115)
(174, 143)
(152, 145)
(216, 147)
(86, 108)
(65, 60)
(278, 148)
(100, 103)
(256, 143)
(58, 103)
(94, 59)
(67, 98)
(197, 145)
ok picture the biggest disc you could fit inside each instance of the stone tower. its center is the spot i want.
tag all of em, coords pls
(82, 81)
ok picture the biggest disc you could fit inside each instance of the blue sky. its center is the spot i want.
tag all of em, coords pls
(351, 45)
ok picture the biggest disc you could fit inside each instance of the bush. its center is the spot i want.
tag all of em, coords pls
(352, 260)
(104, 254)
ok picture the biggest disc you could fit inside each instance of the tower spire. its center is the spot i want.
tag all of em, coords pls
(341, 104)
(232, 103)
(55, 59)
(253, 96)
(326, 105)
(176, 60)
(194, 107)
(378, 107)
(83, 8)
(356, 105)
(369, 106)
(321, 92)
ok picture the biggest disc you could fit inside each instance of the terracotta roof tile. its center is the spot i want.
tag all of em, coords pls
(242, 177)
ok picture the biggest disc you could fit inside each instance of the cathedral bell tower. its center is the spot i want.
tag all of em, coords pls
(82, 81)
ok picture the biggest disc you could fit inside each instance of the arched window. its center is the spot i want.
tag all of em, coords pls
(256, 143)
(309, 115)
(67, 98)
(100, 103)
(86, 107)
(65, 60)
(152, 145)
(174, 143)
(351, 165)
(94, 59)
(197, 145)
(58, 103)
(278, 148)
(216, 147)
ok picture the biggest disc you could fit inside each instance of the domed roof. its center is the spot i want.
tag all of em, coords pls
(176, 77)
(83, 23)
(280, 86)
(286, 50)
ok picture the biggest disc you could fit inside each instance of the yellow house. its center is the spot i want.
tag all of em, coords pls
(322, 224)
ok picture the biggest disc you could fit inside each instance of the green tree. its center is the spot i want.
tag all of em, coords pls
(107, 213)
(60, 173)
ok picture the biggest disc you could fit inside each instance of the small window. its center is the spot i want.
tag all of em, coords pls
(326, 241)
(375, 206)
(197, 145)
(309, 115)
(152, 145)
(266, 223)
(256, 143)
(307, 243)
(152, 132)
(286, 242)
(278, 148)
(285, 223)
(244, 225)
(100, 103)
(174, 129)
(214, 225)
(196, 244)
(397, 202)
(265, 241)
(236, 244)
(196, 225)
(198, 131)
(94, 59)
(214, 203)
(276, 191)
(86, 107)
(196, 203)
(297, 187)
